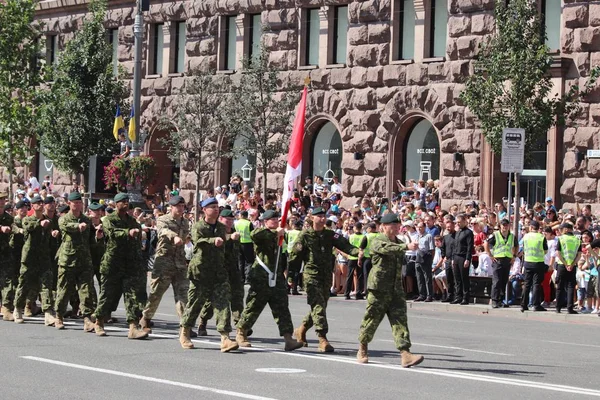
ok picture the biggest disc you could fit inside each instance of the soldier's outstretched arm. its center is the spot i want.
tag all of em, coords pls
(31, 225)
(261, 235)
(162, 229)
(113, 232)
(387, 248)
(342, 244)
(66, 225)
(198, 237)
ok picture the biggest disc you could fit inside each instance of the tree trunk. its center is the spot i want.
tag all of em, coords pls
(264, 188)
(11, 167)
(197, 194)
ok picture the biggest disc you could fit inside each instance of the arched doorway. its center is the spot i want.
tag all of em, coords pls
(167, 172)
(326, 153)
(422, 152)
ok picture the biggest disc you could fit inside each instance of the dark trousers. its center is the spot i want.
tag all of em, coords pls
(500, 273)
(565, 280)
(449, 279)
(534, 275)
(424, 276)
(246, 259)
(353, 266)
(367, 265)
(462, 285)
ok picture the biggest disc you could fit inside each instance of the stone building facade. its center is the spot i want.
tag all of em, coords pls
(386, 76)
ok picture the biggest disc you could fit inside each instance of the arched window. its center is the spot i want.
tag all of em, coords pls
(327, 153)
(422, 159)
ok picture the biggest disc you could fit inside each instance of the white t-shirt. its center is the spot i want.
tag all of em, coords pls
(34, 183)
(551, 251)
(485, 265)
(336, 188)
(189, 250)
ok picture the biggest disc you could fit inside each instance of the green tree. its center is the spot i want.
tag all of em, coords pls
(261, 113)
(511, 86)
(19, 78)
(198, 135)
(77, 113)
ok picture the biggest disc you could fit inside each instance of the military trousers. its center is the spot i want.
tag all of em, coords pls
(162, 278)
(218, 293)
(317, 296)
(259, 295)
(392, 304)
(9, 275)
(133, 288)
(236, 282)
(31, 279)
(76, 280)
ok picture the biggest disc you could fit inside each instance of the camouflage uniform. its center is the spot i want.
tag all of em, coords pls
(75, 269)
(54, 247)
(36, 266)
(386, 296)
(169, 265)
(260, 294)
(208, 277)
(120, 270)
(316, 249)
(97, 249)
(236, 281)
(8, 265)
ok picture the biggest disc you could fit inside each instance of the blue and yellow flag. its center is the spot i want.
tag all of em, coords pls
(119, 124)
(132, 126)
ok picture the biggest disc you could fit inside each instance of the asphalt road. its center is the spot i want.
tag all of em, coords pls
(469, 354)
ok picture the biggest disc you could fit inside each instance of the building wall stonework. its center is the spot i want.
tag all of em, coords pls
(371, 99)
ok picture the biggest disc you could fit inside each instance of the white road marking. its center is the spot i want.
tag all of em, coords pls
(281, 370)
(462, 321)
(149, 379)
(452, 348)
(571, 344)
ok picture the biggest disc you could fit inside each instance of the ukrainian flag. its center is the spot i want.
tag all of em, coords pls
(119, 124)
(132, 126)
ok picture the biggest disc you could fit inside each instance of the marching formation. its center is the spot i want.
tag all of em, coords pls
(55, 255)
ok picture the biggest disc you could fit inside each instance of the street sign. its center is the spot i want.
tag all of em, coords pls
(593, 154)
(513, 150)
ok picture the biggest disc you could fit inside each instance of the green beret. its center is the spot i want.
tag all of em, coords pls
(95, 206)
(74, 196)
(121, 197)
(36, 199)
(318, 211)
(390, 218)
(269, 214)
(226, 213)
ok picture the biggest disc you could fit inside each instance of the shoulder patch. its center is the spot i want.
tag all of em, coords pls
(336, 236)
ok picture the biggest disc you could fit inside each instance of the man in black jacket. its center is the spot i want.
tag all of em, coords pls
(448, 255)
(463, 250)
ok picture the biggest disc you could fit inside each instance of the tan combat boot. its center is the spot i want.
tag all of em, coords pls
(202, 328)
(145, 325)
(362, 356)
(291, 344)
(99, 327)
(49, 319)
(409, 359)
(227, 344)
(242, 339)
(184, 337)
(29, 309)
(59, 323)
(135, 332)
(300, 333)
(18, 316)
(7, 315)
(88, 325)
(324, 346)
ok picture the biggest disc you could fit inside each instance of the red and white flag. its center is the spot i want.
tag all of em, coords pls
(294, 163)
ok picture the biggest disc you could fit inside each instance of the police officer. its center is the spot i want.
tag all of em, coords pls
(535, 247)
(314, 247)
(386, 296)
(291, 237)
(502, 247)
(568, 252)
(355, 240)
(244, 227)
(267, 284)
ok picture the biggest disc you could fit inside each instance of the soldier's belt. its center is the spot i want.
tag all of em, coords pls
(271, 274)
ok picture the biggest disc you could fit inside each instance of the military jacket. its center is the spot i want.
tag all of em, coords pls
(54, 241)
(265, 248)
(122, 251)
(97, 248)
(387, 257)
(316, 249)
(167, 254)
(208, 261)
(17, 239)
(75, 246)
(36, 249)
(5, 220)
(232, 251)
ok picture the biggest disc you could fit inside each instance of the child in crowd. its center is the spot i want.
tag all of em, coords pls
(485, 262)
(437, 268)
(582, 265)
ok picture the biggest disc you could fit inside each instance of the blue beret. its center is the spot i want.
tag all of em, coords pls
(209, 201)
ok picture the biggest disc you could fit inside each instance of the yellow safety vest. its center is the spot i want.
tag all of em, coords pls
(533, 247)
(291, 239)
(569, 246)
(503, 249)
(370, 237)
(355, 240)
(243, 227)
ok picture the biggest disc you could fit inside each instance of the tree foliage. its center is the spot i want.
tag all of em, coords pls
(77, 114)
(261, 113)
(511, 86)
(198, 133)
(19, 78)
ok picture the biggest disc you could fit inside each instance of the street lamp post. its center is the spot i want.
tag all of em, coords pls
(138, 32)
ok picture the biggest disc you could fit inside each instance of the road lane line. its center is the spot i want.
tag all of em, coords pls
(452, 348)
(148, 379)
(571, 344)
(462, 321)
